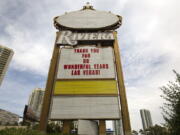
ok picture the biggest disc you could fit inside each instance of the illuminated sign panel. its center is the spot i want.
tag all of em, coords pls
(86, 87)
(69, 107)
(87, 62)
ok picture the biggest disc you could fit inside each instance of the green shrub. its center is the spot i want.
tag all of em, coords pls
(20, 131)
(53, 128)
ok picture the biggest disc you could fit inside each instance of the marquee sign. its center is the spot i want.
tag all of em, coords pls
(85, 87)
(69, 38)
(73, 107)
(85, 79)
(87, 62)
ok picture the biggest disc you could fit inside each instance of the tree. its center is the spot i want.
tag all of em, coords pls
(171, 108)
(134, 132)
(154, 130)
(142, 132)
(157, 130)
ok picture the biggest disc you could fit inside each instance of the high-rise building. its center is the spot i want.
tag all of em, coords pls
(117, 127)
(36, 100)
(5, 58)
(146, 118)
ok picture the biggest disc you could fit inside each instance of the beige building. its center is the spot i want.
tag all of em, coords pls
(5, 58)
(36, 100)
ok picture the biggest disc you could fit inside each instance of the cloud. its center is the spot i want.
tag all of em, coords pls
(149, 46)
(16, 88)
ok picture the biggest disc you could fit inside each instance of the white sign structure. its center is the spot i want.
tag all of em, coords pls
(69, 38)
(87, 19)
(87, 62)
(85, 108)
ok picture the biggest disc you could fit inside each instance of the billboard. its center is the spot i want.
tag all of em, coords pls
(86, 62)
(30, 114)
(79, 107)
(86, 87)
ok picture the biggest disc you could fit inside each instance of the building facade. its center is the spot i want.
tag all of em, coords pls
(36, 100)
(146, 118)
(5, 58)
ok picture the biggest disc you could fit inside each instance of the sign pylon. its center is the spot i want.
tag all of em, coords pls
(85, 79)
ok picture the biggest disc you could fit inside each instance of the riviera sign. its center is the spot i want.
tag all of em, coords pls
(87, 62)
(69, 38)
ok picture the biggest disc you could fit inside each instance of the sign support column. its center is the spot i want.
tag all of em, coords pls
(66, 126)
(122, 91)
(49, 88)
(102, 127)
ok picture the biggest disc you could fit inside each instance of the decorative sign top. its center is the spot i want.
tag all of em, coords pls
(69, 38)
(87, 19)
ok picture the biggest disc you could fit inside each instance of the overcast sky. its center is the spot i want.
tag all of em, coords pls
(149, 40)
